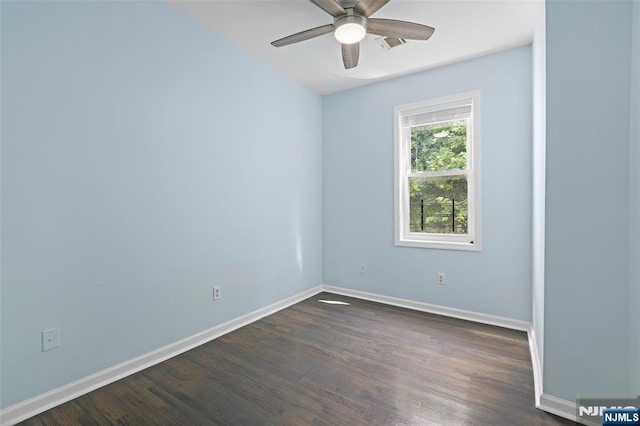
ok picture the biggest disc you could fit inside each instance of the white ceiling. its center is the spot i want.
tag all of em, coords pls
(464, 30)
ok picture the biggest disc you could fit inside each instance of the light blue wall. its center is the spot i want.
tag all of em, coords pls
(358, 191)
(539, 184)
(144, 159)
(586, 320)
(634, 211)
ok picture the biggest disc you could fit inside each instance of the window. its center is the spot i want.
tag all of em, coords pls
(437, 172)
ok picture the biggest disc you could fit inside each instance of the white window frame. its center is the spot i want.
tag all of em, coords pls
(402, 171)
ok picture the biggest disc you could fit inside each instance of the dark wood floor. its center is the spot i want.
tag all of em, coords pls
(322, 364)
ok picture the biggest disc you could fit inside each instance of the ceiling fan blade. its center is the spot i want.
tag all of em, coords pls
(399, 29)
(332, 7)
(369, 7)
(350, 55)
(303, 35)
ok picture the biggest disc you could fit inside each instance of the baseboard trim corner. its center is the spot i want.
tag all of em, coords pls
(536, 365)
(558, 406)
(433, 309)
(40, 403)
(544, 402)
(45, 401)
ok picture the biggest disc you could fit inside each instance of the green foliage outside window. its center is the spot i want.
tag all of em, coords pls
(439, 204)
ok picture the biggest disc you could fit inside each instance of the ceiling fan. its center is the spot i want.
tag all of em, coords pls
(351, 22)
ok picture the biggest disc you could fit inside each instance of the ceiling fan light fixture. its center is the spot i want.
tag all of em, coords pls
(350, 29)
(352, 22)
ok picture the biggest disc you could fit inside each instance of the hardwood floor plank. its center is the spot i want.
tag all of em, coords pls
(320, 364)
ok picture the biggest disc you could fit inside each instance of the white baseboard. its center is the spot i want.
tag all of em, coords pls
(544, 402)
(40, 403)
(558, 406)
(434, 309)
(536, 365)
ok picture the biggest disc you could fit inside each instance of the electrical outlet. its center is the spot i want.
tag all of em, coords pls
(50, 339)
(216, 293)
(363, 268)
(440, 279)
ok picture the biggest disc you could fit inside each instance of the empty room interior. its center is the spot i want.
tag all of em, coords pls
(207, 221)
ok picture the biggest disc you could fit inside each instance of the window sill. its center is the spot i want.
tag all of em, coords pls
(442, 245)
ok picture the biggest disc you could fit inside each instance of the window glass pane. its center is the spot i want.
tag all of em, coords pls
(439, 146)
(438, 205)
